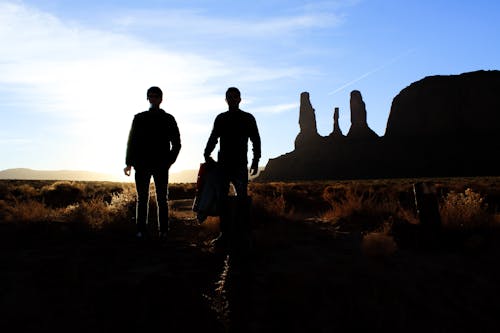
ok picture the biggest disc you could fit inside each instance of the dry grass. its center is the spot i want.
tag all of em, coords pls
(270, 206)
(28, 211)
(92, 206)
(354, 201)
(364, 203)
(464, 203)
(465, 210)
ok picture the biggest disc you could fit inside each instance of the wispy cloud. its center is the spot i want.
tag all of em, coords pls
(93, 81)
(197, 23)
(373, 71)
(14, 141)
(279, 108)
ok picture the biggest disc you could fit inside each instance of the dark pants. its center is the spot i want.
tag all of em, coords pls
(142, 181)
(238, 176)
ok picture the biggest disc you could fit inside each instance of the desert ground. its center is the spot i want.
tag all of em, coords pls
(316, 266)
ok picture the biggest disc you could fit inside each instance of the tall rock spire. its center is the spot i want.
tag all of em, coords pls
(307, 123)
(337, 132)
(307, 117)
(359, 127)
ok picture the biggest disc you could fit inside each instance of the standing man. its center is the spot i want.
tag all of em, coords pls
(153, 146)
(234, 127)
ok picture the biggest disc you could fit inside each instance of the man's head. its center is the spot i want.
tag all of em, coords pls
(233, 97)
(155, 96)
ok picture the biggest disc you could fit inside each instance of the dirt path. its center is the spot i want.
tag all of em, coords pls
(300, 278)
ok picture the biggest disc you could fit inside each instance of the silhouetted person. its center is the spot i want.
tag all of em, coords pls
(153, 146)
(233, 128)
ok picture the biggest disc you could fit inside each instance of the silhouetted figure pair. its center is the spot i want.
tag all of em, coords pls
(154, 144)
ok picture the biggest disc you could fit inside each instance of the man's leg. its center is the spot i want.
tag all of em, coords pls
(241, 224)
(142, 179)
(161, 185)
(239, 178)
(221, 240)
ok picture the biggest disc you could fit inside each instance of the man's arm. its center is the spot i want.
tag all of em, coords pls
(212, 140)
(176, 141)
(130, 155)
(255, 138)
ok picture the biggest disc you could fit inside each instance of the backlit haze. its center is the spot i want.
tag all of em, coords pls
(74, 73)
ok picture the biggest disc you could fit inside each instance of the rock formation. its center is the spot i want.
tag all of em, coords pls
(337, 132)
(438, 126)
(463, 105)
(308, 134)
(359, 127)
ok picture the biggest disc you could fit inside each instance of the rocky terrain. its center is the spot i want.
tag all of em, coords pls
(439, 126)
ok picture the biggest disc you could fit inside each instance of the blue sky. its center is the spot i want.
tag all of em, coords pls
(74, 73)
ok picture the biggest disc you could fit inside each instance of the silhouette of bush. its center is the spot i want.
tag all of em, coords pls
(62, 194)
(23, 192)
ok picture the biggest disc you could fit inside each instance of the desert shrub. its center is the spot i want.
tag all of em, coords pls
(62, 194)
(90, 214)
(97, 214)
(304, 199)
(122, 205)
(333, 194)
(102, 191)
(268, 203)
(353, 201)
(94, 214)
(182, 191)
(366, 208)
(272, 206)
(465, 210)
(23, 192)
(29, 211)
(290, 200)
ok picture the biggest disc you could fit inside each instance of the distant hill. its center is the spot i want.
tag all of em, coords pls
(186, 176)
(30, 174)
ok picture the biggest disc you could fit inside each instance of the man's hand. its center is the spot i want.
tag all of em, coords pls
(254, 168)
(209, 159)
(127, 170)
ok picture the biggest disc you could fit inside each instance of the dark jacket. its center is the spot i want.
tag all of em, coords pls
(154, 140)
(234, 128)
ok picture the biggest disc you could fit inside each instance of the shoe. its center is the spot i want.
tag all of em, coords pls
(139, 235)
(163, 236)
